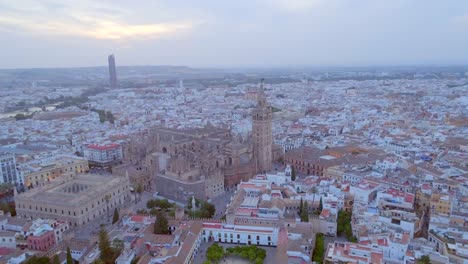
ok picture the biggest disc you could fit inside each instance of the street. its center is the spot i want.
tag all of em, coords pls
(220, 202)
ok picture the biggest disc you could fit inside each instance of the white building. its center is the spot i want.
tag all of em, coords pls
(18, 259)
(238, 234)
(7, 239)
(279, 178)
(8, 171)
(103, 154)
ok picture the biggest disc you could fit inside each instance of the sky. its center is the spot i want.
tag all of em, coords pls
(237, 33)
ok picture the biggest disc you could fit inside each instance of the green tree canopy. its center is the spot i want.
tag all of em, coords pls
(56, 259)
(424, 260)
(37, 260)
(69, 256)
(104, 246)
(215, 253)
(319, 249)
(161, 225)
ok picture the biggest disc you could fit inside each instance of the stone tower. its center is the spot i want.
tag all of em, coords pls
(261, 132)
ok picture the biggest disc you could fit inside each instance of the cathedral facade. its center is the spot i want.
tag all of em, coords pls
(196, 162)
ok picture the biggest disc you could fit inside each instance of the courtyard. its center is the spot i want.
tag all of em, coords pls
(201, 256)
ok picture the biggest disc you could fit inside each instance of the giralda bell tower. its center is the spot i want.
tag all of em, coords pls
(261, 132)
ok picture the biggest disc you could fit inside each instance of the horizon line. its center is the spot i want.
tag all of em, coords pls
(432, 65)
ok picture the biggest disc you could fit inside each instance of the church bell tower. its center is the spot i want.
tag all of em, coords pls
(262, 132)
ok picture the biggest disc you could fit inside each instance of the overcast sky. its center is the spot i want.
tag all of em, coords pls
(232, 33)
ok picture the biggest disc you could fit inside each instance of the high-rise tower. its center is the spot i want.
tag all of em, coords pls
(262, 132)
(112, 72)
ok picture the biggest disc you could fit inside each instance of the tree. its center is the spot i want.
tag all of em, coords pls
(118, 244)
(139, 190)
(215, 253)
(104, 246)
(69, 256)
(424, 260)
(22, 116)
(208, 210)
(37, 260)
(161, 226)
(344, 225)
(320, 205)
(314, 190)
(319, 249)
(305, 213)
(301, 206)
(293, 173)
(56, 259)
(110, 117)
(115, 219)
(205, 209)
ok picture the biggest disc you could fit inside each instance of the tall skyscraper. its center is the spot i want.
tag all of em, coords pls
(112, 72)
(262, 132)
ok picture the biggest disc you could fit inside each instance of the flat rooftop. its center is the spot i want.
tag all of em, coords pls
(88, 186)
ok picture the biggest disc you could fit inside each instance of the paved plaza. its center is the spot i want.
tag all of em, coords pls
(234, 260)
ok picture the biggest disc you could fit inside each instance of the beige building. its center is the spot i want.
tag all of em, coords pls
(262, 134)
(182, 179)
(76, 200)
(441, 204)
(39, 173)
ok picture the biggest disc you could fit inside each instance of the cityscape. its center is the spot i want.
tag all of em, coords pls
(163, 163)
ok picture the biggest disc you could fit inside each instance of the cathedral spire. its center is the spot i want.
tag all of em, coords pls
(261, 97)
(261, 89)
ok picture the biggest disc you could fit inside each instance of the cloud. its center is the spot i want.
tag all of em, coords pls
(295, 5)
(98, 22)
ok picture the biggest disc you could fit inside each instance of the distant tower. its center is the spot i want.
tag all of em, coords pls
(112, 72)
(262, 132)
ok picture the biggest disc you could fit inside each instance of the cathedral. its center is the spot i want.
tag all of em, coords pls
(196, 162)
(203, 162)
